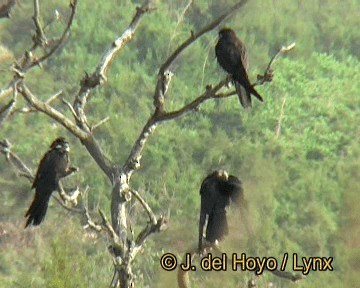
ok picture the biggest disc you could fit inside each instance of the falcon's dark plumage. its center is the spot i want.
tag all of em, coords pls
(232, 57)
(217, 190)
(53, 166)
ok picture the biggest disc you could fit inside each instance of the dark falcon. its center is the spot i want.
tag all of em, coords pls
(232, 57)
(217, 190)
(53, 166)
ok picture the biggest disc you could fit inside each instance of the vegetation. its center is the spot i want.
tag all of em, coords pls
(297, 154)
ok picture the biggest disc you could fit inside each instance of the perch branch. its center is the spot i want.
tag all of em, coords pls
(194, 36)
(70, 196)
(163, 79)
(183, 276)
(212, 92)
(22, 170)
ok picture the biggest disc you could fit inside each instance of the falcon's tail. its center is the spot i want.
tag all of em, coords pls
(38, 209)
(217, 226)
(244, 94)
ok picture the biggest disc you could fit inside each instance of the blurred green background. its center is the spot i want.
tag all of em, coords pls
(297, 153)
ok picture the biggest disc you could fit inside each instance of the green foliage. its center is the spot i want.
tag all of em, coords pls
(297, 154)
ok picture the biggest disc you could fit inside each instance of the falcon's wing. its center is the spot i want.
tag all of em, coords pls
(46, 168)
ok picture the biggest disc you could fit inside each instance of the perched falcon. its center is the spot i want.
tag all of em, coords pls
(53, 166)
(217, 190)
(232, 57)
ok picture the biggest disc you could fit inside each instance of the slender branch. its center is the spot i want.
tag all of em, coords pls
(194, 36)
(268, 74)
(6, 110)
(160, 225)
(69, 196)
(66, 207)
(51, 112)
(29, 109)
(146, 206)
(39, 37)
(27, 60)
(99, 75)
(73, 6)
(133, 161)
(101, 122)
(68, 104)
(115, 238)
(15, 161)
(54, 97)
(126, 36)
(22, 170)
(211, 92)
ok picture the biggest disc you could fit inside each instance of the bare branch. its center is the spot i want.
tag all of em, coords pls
(133, 161)
(107, 118)
(99, 75)
(28, 60)
(268, 74)
(194, 36)
(66, 207)
(29, 109)
(68, 104)
(90, 222)
(5, 111)
(15, 161)
(120, 42)
(160, 225)
(145, 206)
(211, 93)
(51, 112)
(162, 86)
(69, 196)
(54, 97)
(39, 37)
(115, 238)
(73, 6)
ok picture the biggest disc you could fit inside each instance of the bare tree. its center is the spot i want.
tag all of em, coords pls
(124, 246)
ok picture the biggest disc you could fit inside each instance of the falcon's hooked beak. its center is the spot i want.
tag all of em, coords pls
(64, 146)
(223, 174)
